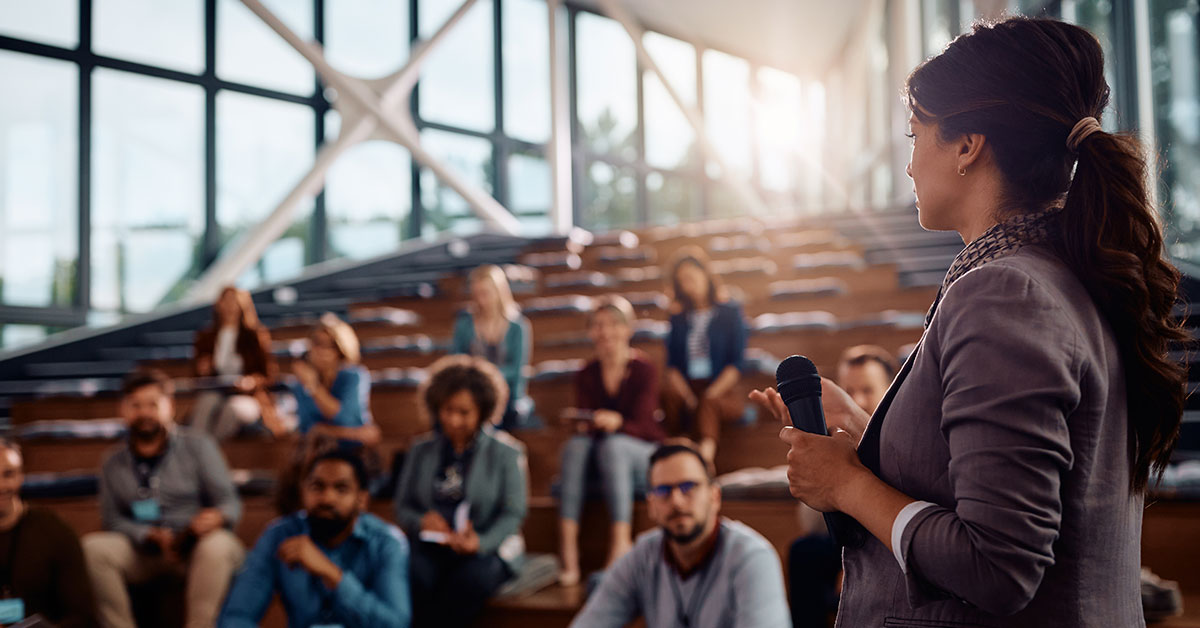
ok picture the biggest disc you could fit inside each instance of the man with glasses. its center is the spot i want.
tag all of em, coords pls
(697, 570)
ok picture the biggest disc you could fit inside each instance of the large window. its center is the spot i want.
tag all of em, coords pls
(1175, 31)
(670, 139)
(368, 195)
(727, 109)
(249, 52)
(529, 187)
(187, 148)
(264, 147)
(165, 34)
(609, 195)
(38, 179)
(470, 158)
(148, 188)
(457, 80)
(366, 38)
(54, 22)
(607, 93)
(526, 70)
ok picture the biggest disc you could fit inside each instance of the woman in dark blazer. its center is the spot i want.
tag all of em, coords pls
(705, 349)
(1001, 480)
(461, 496)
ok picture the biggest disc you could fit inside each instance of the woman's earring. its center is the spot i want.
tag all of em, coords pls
(962, 172)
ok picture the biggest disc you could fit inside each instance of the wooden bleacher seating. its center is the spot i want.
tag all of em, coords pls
(838, 286)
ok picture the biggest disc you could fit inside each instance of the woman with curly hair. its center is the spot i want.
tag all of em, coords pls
(461, 496)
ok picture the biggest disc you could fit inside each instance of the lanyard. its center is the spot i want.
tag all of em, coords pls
(684, 617)
(146, 471)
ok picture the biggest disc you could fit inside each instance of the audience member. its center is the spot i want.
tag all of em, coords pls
(493, 328)
(865, 372)
(332, 390)
(814, 561)
(462, 493)
(697, 569)
(235, 345)
(332, 564)
(167, 504)
(616, 396)
(705, 348)
(42, 573)
(333, 406)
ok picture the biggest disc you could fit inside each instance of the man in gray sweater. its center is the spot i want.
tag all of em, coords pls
(697, 570)
(167, 504)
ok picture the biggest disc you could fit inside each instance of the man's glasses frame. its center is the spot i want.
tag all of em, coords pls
(664, 491)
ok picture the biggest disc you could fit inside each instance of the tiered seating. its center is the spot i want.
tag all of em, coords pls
(805, 290)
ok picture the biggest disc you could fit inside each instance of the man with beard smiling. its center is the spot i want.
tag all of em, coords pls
(331, 564)
(167, 504)
(698, 570)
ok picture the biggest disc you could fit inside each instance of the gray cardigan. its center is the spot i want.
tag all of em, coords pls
(496, 488)
(1011, 418)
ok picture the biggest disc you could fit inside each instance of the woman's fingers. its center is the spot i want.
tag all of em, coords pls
(771, 400)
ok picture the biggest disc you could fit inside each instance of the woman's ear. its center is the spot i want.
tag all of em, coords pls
(971, 147)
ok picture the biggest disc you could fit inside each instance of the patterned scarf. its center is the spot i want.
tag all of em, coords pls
(1001, 240)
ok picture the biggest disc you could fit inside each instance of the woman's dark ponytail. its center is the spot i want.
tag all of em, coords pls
(1112, 240)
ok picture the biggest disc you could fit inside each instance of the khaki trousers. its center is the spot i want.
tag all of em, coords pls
(113, 562)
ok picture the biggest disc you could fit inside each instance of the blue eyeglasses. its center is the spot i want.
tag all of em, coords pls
(663, 491)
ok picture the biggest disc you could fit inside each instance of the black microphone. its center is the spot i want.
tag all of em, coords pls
(799, 385)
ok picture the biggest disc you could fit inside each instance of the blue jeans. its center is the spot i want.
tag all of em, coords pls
(622, 461)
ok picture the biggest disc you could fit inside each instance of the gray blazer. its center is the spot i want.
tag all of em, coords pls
(1011, 418)
(496, 488)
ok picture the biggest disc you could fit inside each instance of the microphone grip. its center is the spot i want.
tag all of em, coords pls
(807, 416)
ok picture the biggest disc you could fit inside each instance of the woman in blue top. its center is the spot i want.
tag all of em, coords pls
(493, 328)
(705, 349)
(332, 390)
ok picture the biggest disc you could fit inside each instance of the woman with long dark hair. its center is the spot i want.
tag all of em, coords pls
(1001, 480)
(236, 345)
(706, 347)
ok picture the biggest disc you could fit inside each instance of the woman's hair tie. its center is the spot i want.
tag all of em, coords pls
(1081, 131)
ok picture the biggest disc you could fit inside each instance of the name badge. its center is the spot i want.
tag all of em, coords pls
(146, 510)
(12, 610)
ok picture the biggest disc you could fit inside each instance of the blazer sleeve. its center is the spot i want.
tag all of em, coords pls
(677, 343)
(409, 510)
(1011, 376)
(737, 334)
(513, 499)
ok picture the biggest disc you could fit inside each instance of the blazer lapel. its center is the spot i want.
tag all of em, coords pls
(868, 446)
(476, 487)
